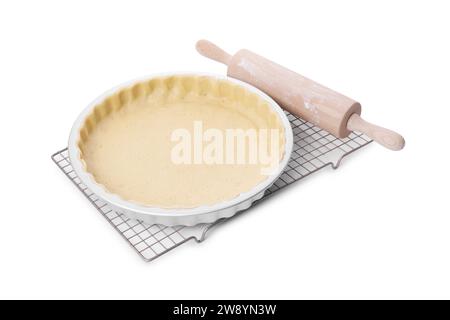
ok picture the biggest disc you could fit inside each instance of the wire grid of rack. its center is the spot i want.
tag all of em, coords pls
(313, 150)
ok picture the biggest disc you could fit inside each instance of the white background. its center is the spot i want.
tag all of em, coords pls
(378, 227)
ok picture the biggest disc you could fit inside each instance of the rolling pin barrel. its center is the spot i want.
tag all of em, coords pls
(301, 96)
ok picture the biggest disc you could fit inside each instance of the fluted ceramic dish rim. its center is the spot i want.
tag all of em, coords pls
(183, 216)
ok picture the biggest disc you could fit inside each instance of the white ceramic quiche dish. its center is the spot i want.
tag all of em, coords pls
(118, 147)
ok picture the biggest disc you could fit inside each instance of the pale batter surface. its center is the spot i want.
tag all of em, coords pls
(128, 151)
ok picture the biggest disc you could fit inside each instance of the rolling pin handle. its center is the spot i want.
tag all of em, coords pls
(387, 138)
(211, 51)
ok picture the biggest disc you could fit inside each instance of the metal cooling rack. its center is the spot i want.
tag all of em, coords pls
(313, 150)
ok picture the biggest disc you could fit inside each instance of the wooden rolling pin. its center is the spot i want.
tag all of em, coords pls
(301, 96)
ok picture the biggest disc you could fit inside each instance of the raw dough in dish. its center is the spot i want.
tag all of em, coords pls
(125, 143)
